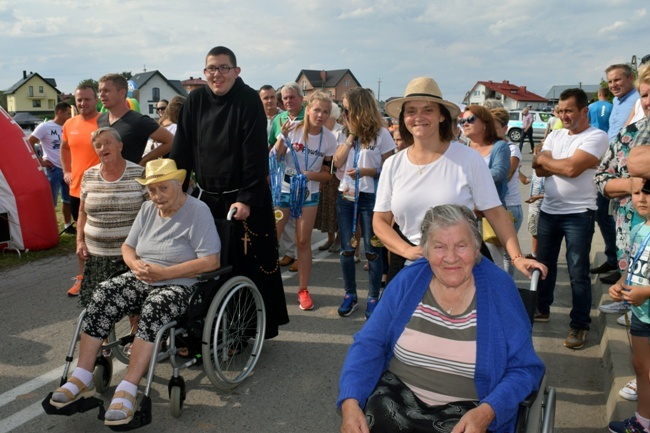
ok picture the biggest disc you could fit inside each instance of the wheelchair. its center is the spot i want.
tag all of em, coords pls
(537, 412)
(223, 328)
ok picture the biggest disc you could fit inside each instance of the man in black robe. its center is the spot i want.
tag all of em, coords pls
(221, 136)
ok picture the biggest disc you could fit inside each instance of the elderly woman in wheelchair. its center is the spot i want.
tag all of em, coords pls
(448, 349)
(173, 239)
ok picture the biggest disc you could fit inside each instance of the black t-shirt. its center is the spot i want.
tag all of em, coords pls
(134, 129)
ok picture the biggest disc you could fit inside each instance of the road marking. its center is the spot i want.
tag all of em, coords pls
(31, 412)
(32, 385)
(21, 417)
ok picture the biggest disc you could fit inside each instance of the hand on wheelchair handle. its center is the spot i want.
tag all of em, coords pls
(241, 211)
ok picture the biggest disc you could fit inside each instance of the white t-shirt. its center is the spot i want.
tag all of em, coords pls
(319, 146)
(49, 135)
(513, 198)
(638, 112)
(369, 157)
(564, 195)
(459, 176)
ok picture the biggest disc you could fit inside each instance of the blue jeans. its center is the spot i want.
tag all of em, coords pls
(518, 216)
(344, 214)
(578, 229)
(607, 227)
(55, 177)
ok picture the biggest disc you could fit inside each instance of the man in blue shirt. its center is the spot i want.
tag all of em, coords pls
(600, 110)
(620, 80)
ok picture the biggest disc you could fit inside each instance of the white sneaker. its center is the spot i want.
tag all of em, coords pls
(628, 392)
(614, 308)
(623, 321)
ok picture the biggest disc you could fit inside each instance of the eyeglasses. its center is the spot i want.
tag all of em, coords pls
(223, 69)
(161, 108)
(470, 120)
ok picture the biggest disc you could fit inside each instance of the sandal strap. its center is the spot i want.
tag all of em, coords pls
(126, 396)
(78, 383)
(120, 407)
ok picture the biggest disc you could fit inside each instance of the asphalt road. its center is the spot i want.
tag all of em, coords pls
(293, 387)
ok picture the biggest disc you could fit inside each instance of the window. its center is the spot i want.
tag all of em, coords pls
(31, 91)
(514, 116)
(36, 103)
(304, 84)
(346, 83)
(40, 89)
(151, 108)
(155, 94)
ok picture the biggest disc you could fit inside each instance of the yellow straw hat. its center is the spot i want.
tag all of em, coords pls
(160, 170)
(421, 89)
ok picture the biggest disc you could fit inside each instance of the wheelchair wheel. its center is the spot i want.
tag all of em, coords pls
(122, 328)
(176, 401)
(103, 374)
(233, 333)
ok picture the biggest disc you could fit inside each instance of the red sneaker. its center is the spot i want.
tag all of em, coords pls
(305, 300)
(74, 290)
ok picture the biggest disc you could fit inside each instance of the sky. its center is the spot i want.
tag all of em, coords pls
(385, 44)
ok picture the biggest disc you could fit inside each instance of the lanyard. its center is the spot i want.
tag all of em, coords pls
(355, 166)
(276, 171)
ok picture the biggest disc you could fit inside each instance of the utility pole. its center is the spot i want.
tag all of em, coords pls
(379, 89)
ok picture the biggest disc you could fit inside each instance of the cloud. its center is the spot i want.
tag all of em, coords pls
(612, 28)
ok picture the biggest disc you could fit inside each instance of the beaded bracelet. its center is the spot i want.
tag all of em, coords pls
(515, 258)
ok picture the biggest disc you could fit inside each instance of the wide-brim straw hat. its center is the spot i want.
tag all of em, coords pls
(160, 170)
(421, 89)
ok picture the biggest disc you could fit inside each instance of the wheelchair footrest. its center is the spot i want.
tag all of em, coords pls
(78, 406)
(141, 418)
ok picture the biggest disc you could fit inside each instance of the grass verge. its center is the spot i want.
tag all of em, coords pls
(67, 244)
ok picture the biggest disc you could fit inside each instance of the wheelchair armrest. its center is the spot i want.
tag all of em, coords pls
(214, 274)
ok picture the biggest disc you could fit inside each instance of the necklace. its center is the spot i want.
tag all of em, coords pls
(421, 167)
(458, 303)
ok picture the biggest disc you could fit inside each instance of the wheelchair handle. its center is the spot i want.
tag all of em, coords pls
(534, 279)
(231, 213)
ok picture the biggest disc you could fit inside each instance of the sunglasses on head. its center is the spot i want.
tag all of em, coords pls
(470, 120)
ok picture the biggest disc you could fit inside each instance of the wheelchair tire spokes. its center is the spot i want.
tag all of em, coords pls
(233, 333)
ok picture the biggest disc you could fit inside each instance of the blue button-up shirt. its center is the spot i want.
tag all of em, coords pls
(622, 108)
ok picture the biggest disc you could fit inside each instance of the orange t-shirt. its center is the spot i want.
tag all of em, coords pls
(76, 132)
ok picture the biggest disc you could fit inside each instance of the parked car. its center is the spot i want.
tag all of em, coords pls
(515, 125)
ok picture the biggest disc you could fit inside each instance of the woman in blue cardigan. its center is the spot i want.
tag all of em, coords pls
(451, 333)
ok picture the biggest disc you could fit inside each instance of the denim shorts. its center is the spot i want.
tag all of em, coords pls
(639, 328)
(55, 177)
(310, 201)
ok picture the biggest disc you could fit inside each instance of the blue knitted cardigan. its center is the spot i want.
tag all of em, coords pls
(507, 368)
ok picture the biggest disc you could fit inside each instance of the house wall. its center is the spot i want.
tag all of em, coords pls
(336, 93)
(343, 86)
(480, 93)
(24, 101)
(146, 96)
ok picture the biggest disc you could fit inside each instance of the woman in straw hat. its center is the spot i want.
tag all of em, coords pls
(434, 170)
(110, 201)
(172, 240)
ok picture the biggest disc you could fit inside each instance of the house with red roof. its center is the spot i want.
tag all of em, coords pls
(193, 83)
(512, 96)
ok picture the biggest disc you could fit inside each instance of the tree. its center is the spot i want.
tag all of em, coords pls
(127, 74)
(90, 82)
